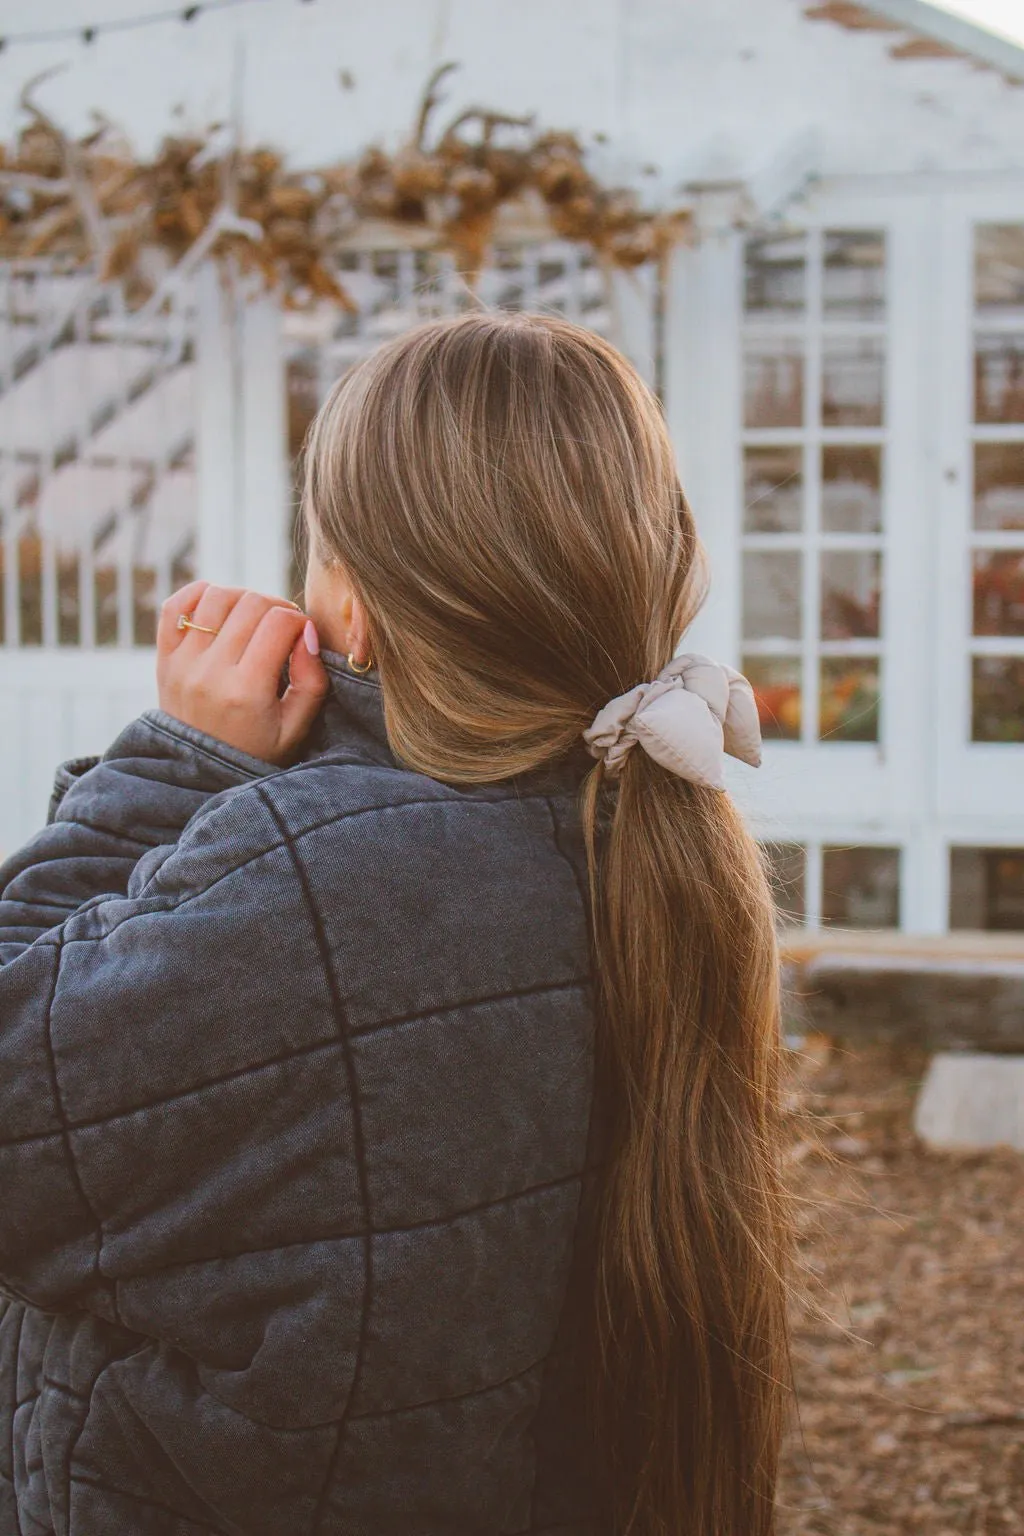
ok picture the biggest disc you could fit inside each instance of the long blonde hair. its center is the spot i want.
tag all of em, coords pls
(502, 492)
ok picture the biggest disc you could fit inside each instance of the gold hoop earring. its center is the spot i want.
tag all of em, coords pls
(355, 668)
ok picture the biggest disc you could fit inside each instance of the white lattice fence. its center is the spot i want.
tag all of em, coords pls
(97, 517)
(97, 475)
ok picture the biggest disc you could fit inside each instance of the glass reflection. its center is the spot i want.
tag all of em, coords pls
(986, 888)
(999, 378)
(860, 887)
(776, 684)
(851, 490)
(854, 275)
(773, 382)
(999, 485)
(999, 267)
(998, 592)
(997, 698)
(775, 275)
(771, 594)
(773, 490)
(851, 591)
(853, 381)
(848, 699)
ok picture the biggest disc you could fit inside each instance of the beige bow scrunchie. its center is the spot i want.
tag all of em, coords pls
(693, 712)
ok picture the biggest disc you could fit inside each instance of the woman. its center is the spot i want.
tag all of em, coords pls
(388, 1059)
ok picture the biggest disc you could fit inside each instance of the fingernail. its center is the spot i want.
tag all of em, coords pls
(311, 638)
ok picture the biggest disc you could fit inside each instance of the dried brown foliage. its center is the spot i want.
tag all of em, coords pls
(90, 200)
(908, 1344)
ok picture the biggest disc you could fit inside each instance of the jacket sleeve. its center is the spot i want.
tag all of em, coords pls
(106, 812)
(176, 1124)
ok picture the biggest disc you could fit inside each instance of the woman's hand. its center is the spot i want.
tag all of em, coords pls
(227, 684)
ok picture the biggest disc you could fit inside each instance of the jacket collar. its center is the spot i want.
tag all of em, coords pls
(353, 714)
(352, 720)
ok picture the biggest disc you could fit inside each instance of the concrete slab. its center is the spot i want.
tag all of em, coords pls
(971, 1100)
(950, 992)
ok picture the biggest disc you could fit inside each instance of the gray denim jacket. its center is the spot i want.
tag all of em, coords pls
(296, 1080)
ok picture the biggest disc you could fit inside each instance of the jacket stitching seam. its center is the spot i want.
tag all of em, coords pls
(235, 869)
(81, 1431)
(357, 1141)
(94, 1121)
(90, 826)
(362, 1030)
(454, 1397)
(69, 1150)
(588, 1166)
(359, 1236)
(286, 841)
(14, 1415)
(183, 738)
(138, 1498)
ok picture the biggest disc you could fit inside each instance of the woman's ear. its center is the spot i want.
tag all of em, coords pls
(358, 630)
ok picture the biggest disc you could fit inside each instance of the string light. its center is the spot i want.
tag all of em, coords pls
(90, 33)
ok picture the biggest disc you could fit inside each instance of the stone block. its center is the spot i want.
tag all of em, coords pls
(969, 1101)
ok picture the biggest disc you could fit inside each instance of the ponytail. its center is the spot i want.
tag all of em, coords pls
(688, 1374)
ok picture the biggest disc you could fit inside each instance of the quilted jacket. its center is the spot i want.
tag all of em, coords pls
(297, 1150)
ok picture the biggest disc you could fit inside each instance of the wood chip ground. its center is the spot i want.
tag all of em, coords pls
(908, 1313)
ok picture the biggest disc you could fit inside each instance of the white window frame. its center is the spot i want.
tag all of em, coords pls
(871, 786)
(980, 785)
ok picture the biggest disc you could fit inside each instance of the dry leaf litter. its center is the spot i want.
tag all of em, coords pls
(908, 1314)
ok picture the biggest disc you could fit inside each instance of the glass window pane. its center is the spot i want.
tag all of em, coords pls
(986, 888)
(773, 495)
(998, 592)
(999, 378)
(854, 276)
(848, 698)
(853, 381)
(999, 267)
(997, 698)
(771, 595)
(999, 485)
(775, 275)
(773, 382)
(851, 490)
(860, 887)
(785, 866)
(851, 592)
(776, 684)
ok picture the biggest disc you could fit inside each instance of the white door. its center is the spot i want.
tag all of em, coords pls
(980, 630)
(978, 727)
(795, 391)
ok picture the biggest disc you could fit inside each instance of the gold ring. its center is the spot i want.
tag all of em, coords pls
(355, 668)
(185, 622)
